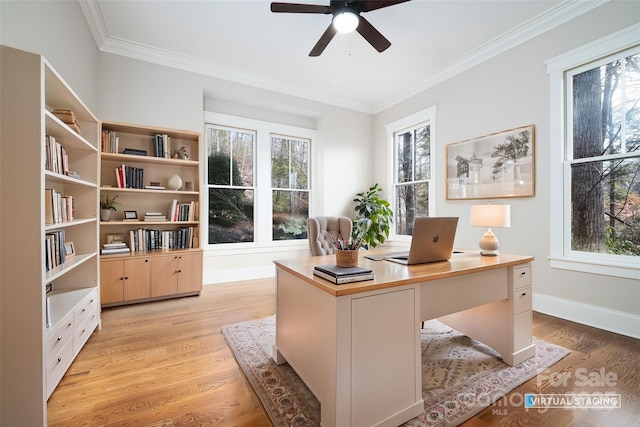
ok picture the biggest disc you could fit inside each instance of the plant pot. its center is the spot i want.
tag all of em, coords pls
(346, 258)
(105, 214)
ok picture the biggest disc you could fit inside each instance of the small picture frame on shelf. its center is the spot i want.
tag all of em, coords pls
(130, 215)
(69, 250)
(113, 238)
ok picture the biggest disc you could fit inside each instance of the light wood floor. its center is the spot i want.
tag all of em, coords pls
(167, 364)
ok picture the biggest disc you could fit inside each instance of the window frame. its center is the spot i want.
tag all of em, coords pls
(559, 69)
(410, 122)
(263, 240)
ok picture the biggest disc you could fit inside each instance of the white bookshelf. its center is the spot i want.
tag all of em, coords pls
(34, 354)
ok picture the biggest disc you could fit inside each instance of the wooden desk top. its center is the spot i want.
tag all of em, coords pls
(390, 274)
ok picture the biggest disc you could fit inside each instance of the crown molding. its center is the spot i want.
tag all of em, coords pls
(540, 24)
(550, 19)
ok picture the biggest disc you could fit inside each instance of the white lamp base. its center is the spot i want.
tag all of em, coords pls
(489, 244)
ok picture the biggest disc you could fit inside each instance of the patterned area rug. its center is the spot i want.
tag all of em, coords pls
(460, 376)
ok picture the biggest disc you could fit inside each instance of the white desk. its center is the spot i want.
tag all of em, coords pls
(357, 346)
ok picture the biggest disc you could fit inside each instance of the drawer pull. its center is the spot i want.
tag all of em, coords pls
(524, 294)
(523, 273)
(59, 338)
(59, 358)
(84, 309)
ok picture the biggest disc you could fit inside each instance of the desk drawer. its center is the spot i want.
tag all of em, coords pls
(521, 276)
(522, 324)
(521, 300)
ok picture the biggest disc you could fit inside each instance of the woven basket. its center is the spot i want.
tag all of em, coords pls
(346, 258)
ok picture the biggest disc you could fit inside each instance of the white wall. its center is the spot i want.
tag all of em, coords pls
(143, 93)
(59, 32)
(509, 91)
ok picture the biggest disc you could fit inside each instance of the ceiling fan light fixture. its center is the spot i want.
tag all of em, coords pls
(346, 21)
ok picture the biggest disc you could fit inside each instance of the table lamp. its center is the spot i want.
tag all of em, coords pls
(489, 216)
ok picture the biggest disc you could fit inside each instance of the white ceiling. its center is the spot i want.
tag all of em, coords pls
(242, 41)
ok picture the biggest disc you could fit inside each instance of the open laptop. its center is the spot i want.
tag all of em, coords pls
(432, 241)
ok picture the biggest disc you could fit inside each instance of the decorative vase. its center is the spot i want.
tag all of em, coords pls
(346, 258)
(174, 183)
(105, 214)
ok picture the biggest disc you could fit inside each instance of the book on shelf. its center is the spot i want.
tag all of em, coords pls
(146, 239)
(129, 177)
(154, 187)
(56, 157)
(67, 117)
(57, 207)
(114, 248)
(135, 152)
(55, 253)
(114, 245)
(154, 216)
(109, 142)
(183, 211)
(161, 145)
(341, 275)
(114, 251)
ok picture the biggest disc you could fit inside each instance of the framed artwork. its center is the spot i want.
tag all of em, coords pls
(130, 215)
(69, 249)
(113, 238)
(494, 166)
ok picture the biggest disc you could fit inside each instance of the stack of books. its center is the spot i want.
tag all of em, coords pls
(114, 248)
(68, 118)
(154, 217)
(340, 275)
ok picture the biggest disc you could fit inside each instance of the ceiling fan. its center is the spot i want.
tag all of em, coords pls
(346, 18)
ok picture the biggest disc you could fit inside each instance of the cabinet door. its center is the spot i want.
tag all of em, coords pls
(164, 275)
(136, 278)
(111, 281)
(190, 272)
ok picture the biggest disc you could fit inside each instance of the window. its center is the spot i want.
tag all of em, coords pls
(259, 181)
(290, 187)
(230, 171)
(413, 169)
(599, 165)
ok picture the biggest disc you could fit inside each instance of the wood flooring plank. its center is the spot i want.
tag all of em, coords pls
(166, 363)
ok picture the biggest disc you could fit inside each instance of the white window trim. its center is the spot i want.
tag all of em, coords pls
(561, 257)
(262, 183)
(426, 115)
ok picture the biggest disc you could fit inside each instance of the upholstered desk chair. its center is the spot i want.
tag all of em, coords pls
(321, 228)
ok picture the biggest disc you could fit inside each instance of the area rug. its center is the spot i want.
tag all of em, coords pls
(460, 376)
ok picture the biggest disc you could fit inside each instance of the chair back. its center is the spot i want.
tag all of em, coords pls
(320, 230)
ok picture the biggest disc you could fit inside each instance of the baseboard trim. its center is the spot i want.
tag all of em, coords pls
(238, 274)
(616, 321)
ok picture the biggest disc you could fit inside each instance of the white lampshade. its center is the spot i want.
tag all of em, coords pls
(490, 216)
(346, 22)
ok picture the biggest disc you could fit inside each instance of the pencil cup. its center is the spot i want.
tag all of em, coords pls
(346, 258)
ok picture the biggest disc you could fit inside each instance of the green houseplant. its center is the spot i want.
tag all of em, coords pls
(107, 205)
(373, 218)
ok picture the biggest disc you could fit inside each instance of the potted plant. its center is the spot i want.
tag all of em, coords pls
(107, 205)
(373, 218)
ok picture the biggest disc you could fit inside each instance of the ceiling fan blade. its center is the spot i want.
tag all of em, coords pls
(324, 41)
(373, 36)
(369, 5)
(300, 8)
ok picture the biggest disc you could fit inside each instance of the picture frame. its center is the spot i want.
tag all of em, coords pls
(114, 238)
(69, 250)
(499, 165)
(130, 215)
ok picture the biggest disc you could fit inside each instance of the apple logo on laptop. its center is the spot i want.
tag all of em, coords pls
(436, 238)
